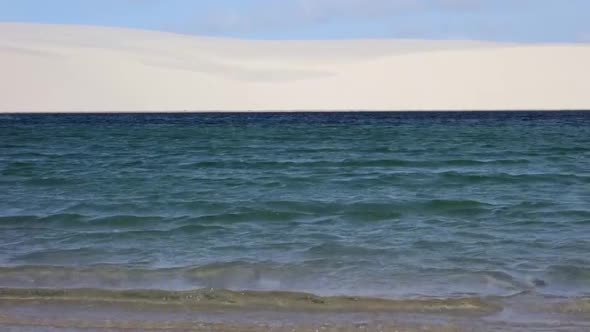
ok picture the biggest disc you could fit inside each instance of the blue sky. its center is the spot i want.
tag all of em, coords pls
(503, 20)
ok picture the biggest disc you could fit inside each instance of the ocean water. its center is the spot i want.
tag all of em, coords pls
(387, 205)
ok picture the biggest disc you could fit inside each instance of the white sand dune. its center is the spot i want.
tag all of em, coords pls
(60, 68)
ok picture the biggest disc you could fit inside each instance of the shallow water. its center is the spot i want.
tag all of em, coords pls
(389, 205)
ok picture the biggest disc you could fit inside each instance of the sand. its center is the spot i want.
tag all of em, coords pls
(67, 68)
(225, 311)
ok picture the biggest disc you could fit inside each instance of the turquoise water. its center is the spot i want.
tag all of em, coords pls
(396, 205)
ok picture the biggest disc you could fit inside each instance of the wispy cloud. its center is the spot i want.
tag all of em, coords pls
(265, 14)
(326, 9)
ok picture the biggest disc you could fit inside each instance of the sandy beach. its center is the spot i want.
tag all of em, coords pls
(64, 68)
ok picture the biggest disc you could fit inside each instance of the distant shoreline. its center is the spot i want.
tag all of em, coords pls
(294, 112)
(70, 68)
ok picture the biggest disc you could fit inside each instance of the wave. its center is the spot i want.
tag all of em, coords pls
(87, 216)
(316, 274)
(362, 252)
(508, 178)
(570, 273)
(353, 163)
(448, 204)
(76, 220)
(226, 299)
(230, 275)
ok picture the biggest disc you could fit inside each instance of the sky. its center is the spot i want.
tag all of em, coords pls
(497, 20)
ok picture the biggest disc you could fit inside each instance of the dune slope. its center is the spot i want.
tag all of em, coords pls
(59, 68)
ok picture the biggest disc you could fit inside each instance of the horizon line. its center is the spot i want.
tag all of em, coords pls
(221, 37)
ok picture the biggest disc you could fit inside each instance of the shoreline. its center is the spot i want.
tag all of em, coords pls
(297, 112)
(223, 299)
(218, 310)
